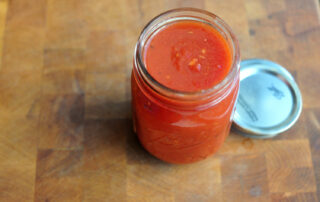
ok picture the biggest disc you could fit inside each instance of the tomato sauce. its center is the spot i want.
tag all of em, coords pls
(188, 56)
(185, 56)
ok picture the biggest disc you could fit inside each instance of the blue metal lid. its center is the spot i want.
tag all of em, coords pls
(269, 100)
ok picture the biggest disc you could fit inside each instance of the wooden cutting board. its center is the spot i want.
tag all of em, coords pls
(65, 120)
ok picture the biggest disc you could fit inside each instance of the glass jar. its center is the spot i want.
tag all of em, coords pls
(183, 127)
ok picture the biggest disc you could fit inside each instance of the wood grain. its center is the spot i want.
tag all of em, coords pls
(65, 117)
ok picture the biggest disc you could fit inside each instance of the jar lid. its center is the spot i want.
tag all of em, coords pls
(269, 100)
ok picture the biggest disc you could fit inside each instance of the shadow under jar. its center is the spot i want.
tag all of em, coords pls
(185, 82)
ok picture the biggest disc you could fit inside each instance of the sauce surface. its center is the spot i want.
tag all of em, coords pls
(188, 56)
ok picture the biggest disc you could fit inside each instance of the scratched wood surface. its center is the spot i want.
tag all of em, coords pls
(65, 120)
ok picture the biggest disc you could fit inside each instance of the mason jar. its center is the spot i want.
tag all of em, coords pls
(183, 126)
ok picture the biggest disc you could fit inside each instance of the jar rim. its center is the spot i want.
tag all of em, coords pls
(186, 14)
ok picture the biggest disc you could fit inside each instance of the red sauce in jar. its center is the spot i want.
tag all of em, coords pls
(186, 56)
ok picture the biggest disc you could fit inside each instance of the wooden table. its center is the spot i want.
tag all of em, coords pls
(65, 120)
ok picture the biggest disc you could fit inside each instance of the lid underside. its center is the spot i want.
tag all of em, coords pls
(269, 100)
